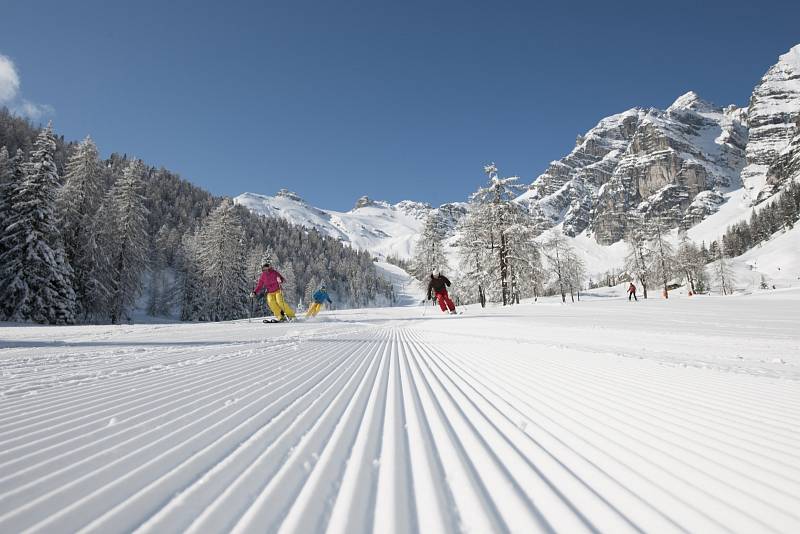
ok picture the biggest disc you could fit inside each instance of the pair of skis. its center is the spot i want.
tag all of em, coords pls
(267, 320)
(273, 320)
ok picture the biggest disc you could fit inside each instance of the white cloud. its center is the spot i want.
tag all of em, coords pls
(33, 111)
(10, 95)
(9, 80)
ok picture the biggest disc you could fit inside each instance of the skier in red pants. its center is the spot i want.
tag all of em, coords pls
(438, 286)
(632, 292)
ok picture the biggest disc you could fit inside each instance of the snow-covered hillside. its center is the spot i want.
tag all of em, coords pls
(608, 416)
(381, 228)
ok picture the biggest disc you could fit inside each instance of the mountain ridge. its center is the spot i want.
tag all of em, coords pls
(680, 164)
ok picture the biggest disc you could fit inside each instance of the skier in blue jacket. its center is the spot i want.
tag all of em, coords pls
(319, 298)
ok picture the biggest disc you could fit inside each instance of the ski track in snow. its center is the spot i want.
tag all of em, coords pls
(601, 416)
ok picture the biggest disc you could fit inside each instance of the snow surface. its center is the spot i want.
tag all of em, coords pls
(607, 415)
(407, 289)
(777, 260)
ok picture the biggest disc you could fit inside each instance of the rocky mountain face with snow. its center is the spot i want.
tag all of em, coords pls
(674, 163)
(381, 228)
(677, 163)
(773, 116)
(680, 164)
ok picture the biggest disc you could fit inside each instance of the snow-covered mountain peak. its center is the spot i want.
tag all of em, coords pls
(289, 194)
(692, 101)
(365, 202)
(791, 59)
(418, 210)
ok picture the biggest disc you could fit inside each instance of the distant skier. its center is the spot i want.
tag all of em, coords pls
(319, 297)
(438, 286)
(271, 280)
(632, 292)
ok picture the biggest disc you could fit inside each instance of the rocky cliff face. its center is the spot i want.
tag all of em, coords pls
(787, 165)
(773, 116)
(647, 162)
(677, 163)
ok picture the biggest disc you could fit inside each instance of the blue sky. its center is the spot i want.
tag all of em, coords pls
(394, 99)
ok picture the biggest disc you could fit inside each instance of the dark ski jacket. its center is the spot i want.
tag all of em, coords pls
(321, 296)
(437, 285)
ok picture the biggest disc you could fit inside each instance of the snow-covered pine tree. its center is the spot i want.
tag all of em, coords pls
(125, 236)
(526, 273)
(162, 294)
(311, 288)
(690, 263)
(268, 256)
(193, 296)
(639, 259)
(713, 251)
(704, 252)
(6, 168)
(497, 253)
(223, 261)
(789, 208)
(575, 272)
(35, 277)
(723, 274)
(497, 198)
(78, 202)
(474, 253)
(6, 178)
(289, 288)
(559, 255)
(11, 263)
(255, 258)
(429, 249)
(663, 254)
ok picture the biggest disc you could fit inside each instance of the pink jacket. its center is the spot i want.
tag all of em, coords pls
(271, 280)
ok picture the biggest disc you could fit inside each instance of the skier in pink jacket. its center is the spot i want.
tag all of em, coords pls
(270, 281)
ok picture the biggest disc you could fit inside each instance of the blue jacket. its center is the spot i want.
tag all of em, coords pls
(321, 296)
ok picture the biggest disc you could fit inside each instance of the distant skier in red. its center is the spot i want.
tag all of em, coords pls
(438, 286)
(632, 292)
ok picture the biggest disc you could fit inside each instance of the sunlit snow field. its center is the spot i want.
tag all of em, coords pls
(609, 415)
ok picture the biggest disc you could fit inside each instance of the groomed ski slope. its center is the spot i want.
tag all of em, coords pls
(600, 416)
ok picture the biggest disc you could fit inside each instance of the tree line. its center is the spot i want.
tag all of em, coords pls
(782, 212)
(90, 240)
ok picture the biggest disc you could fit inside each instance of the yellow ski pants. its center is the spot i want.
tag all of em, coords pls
(277, 305)
(314, 309)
